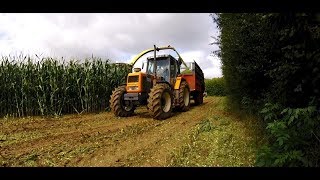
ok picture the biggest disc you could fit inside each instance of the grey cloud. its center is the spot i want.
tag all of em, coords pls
(119, 36)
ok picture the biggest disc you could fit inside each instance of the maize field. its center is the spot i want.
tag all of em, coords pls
(54, 87)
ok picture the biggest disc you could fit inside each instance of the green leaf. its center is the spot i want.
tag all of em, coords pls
(284, 111)
(280, 141)
(310, 109)
(264, 110)
(287, 136)
(291, 120)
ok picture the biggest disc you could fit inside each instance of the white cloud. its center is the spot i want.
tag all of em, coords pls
(215, 68)
(115, 36)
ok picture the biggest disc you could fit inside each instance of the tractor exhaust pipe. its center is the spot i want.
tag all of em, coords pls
(155, 62)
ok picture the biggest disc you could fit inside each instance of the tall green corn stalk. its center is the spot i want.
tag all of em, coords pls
(52, 87)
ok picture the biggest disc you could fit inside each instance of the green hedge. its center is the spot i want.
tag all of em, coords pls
(215, 86)
(271, 66)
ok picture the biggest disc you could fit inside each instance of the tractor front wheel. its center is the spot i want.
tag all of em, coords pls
(118, 105)
(160, 101)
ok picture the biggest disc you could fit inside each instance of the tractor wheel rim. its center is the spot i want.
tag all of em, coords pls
(166, 102)
(186, 96)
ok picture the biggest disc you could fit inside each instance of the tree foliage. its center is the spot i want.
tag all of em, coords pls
(271, 62)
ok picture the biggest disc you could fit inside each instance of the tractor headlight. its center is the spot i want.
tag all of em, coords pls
(133, 88)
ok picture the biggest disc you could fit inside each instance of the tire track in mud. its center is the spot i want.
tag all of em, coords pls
(37, 123)
(102, 139)
(153, 146)
(72, 138)
(41, 125)
(52, 127)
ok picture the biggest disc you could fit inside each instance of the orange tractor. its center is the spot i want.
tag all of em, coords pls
(163, 83)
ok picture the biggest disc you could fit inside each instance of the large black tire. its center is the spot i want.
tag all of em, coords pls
(184, 97)
(117, 103)
(160, 101)
(198, 98)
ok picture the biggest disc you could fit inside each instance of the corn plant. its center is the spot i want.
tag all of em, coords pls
(55, 87)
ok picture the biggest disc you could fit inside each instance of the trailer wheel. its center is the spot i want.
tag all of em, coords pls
(118, 105)
(160, 101)
(198, 98)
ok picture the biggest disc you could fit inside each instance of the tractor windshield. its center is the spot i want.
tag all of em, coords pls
(162, 68)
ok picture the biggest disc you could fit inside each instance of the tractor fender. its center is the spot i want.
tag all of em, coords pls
(178, 82)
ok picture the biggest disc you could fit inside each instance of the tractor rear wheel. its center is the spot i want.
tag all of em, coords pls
(118, 105)
(160, 101)
(198, 98)
(184, 97)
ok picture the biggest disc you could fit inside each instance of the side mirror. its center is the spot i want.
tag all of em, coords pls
(142, 65)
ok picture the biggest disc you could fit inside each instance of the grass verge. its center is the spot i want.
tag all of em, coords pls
(223, 138)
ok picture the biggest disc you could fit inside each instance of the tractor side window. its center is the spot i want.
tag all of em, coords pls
(150, 67)
(173, 68)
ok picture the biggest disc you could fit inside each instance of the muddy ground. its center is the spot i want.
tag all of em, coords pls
(105, 140)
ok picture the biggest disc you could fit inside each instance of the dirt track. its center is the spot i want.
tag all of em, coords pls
(98, 139)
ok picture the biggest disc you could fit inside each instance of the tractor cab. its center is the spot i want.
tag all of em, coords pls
(166, 68)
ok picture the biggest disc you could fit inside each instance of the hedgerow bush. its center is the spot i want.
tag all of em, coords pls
(215, 86)
(271, 66)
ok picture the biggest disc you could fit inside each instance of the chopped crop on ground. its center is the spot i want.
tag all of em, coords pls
(206, 135)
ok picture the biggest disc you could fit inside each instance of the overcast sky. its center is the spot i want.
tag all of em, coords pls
(118, 37)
